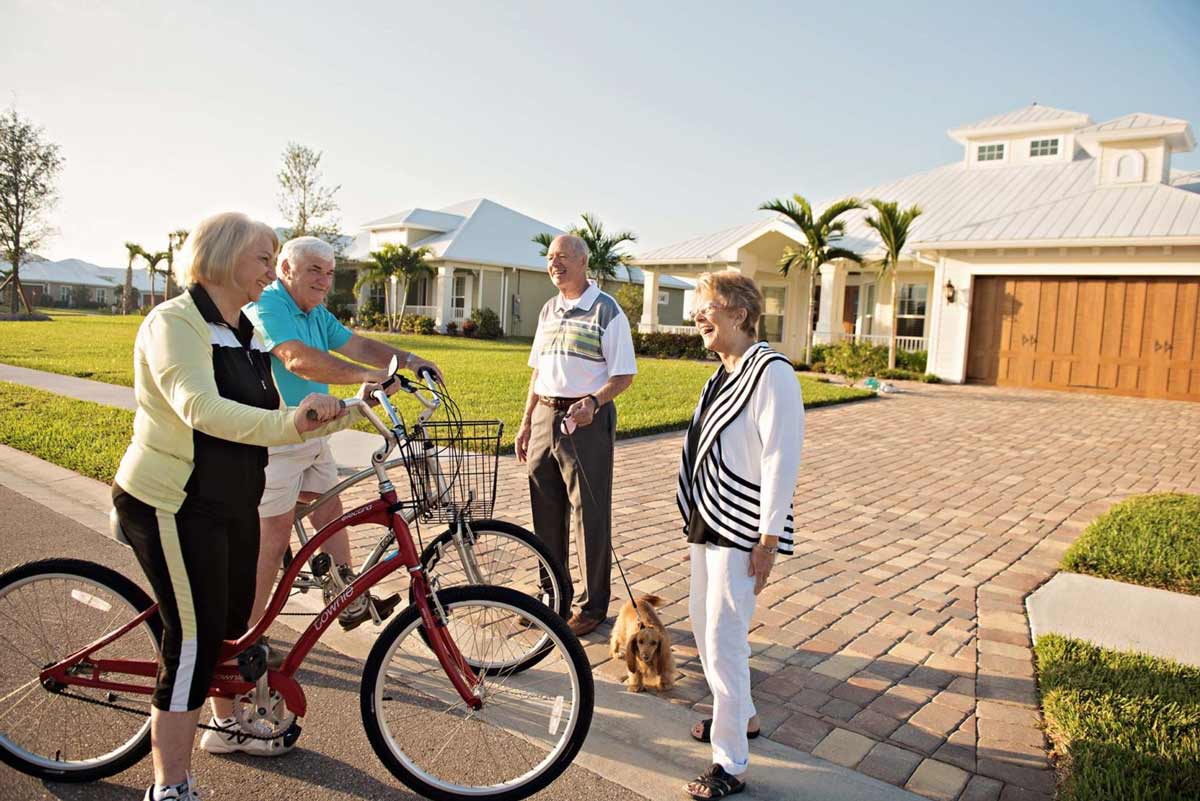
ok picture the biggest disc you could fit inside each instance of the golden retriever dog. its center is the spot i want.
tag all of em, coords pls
(640, 637)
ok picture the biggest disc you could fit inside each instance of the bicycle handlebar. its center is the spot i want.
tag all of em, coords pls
(311, 414)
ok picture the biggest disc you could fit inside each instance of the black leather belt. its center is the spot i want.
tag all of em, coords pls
(561, 404)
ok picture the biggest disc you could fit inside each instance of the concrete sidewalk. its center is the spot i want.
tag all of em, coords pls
(351, 449)
(637, 740)
(1113, 614)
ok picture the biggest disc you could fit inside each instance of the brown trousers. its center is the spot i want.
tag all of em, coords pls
(571, 477)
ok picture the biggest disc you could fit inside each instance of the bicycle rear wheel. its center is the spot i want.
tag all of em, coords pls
(505, 555)
(531, 724)
(48, 611)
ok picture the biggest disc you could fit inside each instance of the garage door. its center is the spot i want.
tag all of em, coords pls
(1124, 336)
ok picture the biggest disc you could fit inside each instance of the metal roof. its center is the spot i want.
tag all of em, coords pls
(422, 219)
(1057, 204)
(1135, 121)
(489, 233)
(1031, 117)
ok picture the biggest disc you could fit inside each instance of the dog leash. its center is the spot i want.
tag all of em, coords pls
(616, 559)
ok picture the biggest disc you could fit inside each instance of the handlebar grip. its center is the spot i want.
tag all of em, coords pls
(425, 373)
(311, 414)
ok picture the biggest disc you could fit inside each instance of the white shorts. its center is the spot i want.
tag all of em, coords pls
(292, 469)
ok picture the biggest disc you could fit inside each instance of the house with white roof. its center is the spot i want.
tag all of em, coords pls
(58, 283)
(483, 256)
(1056, 253)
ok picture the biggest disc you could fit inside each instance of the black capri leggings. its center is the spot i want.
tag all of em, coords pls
(201, 565)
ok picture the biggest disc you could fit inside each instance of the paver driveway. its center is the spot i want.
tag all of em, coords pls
(895, 640)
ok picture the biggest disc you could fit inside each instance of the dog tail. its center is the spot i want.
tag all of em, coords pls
(653, 600)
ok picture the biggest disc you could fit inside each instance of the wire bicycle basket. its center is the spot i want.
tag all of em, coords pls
(452, 467)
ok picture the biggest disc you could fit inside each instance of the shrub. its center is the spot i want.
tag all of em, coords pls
(24, 317)
(629, 298)
(856, 359)
(488, 323)
(912, 360)
(820, 352)
(452, 328)
(469, 328)
(819, 367)
(339, 303)
(423, 325)
(800, 367)
(670, 346)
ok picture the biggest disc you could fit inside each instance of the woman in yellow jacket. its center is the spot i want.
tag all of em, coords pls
(187, 490)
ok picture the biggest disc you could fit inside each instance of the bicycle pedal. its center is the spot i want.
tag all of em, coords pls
(385, 606)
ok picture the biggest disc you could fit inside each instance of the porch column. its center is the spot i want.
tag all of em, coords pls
(829, 317)
(649, 319)
(445, 297)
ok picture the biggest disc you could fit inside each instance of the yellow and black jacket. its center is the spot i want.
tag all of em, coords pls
(207, 409)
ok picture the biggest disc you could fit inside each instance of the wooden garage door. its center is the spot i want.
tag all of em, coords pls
(1125, 336)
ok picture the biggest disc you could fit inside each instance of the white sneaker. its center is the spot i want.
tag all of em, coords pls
(231, 739)
(186, 791)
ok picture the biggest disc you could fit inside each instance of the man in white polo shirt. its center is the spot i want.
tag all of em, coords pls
(582, 358)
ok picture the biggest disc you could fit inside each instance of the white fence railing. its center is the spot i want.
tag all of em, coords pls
(421, 311)
(672, 329)
(902, 343)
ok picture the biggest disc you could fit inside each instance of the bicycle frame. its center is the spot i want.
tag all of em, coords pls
(384, 511)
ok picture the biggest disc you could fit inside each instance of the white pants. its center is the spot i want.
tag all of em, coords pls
(292, 469)
(721, 606)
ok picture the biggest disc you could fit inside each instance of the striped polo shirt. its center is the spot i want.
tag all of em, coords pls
(580, 344)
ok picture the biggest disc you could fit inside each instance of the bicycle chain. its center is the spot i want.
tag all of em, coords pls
(142, 713)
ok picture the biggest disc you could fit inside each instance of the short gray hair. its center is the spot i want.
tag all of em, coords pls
(577, 244)
(296, 250)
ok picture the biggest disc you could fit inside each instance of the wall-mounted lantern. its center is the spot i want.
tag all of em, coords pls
(950, 291)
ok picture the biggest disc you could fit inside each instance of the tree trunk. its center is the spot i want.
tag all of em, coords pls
(808, 321)
(127, 295)
(15, 277)
(403, 286)
(895, 317)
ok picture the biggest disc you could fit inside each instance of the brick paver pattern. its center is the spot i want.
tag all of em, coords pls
(895, 641)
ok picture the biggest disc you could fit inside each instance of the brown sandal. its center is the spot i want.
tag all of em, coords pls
(714, 783)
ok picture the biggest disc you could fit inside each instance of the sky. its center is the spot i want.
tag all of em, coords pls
(671, 119)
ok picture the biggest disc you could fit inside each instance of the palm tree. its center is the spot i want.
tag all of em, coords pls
(604, 249)
(396, 266)
(820, 245)
(175, 241)
(892, 225)
(128, 301)
(152, 262)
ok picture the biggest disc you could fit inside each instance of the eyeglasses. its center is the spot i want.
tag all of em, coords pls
(707, 310)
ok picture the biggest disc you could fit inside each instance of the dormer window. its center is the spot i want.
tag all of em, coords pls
(1043, 147)
(990, 153)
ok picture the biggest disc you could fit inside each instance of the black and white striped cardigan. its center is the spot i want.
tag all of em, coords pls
(718, 488)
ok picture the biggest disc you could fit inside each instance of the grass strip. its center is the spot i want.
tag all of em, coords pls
(1123, 726)
(1152, 540)
(86, 437)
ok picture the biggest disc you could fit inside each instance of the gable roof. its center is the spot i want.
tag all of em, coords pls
(486, 233)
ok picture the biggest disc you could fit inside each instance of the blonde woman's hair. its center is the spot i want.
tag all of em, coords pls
(213, 247)
(736, 291)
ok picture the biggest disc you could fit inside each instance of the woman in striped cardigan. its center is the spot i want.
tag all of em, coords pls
(736, 479)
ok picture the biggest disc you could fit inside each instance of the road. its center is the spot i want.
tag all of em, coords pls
(332, 760)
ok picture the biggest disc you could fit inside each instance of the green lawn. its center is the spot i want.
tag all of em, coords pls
(488, 379)
(1153, 540)
(85, 437)
(1123, 726)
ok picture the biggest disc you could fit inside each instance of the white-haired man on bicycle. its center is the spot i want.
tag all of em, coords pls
(306, 343)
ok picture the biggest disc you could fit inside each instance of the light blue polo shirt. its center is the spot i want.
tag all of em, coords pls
(279, 319)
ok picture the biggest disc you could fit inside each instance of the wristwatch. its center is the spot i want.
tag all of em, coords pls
(595, 401)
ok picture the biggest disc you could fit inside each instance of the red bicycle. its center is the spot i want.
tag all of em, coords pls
(477, 692)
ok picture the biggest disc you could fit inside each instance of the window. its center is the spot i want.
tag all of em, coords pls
(663, 298)
(910, 311)
(418, 292)
(770, 325)
(1131, 167)
(459, 302)
(101, 296)
(64, 294)
(990, 153)
(1043, 147)
(377, 296)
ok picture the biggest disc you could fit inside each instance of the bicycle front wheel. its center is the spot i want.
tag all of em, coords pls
(48, 611)
(531, 724)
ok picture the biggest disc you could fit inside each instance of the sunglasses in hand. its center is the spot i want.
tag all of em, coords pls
(568, 426)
